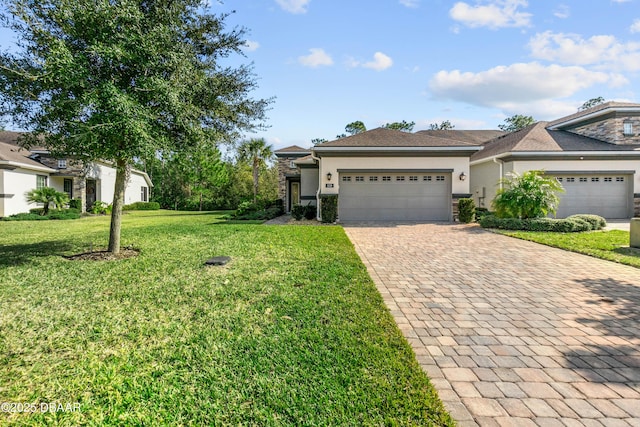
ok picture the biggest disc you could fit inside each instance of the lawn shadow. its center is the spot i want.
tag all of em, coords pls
(614, 358)
(628, 251)
(13, 255)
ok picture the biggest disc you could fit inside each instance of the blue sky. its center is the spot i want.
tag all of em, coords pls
(473, 62)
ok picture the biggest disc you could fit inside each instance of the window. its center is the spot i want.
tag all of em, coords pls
(41, 181)
(583, 179)
(359, 178)
(346, 179)
(627, 128)
(62, 164)
(619, 178)
(400, 178)
(559, 179)
(426, 178)
(144, 194)
(571, 179)
(595, 179)
(608, 179)
(386, 178)
(439, 178)
(373, 178)
(292, 164)
(68, 187)
(413, 178)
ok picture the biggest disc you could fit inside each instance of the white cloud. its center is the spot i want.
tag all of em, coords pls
(603, 51)
(294, 6)
(380, 62)
(562, 11)
(410, 3)
(251, 45)
(635, 27)
(318, 57)
(529, 87)
(494, 14)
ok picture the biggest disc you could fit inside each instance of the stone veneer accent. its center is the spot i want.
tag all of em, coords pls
(636, 205)
(284, 170)
(610, 130)
(74, 170)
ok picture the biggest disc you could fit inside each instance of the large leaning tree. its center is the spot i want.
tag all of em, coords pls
(120, 80)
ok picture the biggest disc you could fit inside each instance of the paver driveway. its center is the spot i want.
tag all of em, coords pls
(511, 332)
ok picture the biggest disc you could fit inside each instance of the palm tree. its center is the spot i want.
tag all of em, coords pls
(256, 152)
(47, 196)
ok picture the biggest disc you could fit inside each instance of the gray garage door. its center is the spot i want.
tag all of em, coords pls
(607, 195)
(395, 196)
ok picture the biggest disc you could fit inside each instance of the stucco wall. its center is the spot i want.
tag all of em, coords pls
(333, 164)
(308, 184)
(133, 192)
(484, 183)
(16, 182)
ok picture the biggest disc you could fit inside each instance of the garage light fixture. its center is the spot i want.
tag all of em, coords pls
(329, 176)
(462, 176)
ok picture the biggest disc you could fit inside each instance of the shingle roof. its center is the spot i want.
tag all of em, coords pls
(292, 149)
(612, 105)
(471, 136)
(13, 153)
(383, 137)
(537, 138)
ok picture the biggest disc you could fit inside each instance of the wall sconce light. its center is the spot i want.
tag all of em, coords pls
(329, 176)
(462, 176)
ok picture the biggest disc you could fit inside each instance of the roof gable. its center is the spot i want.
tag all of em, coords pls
(596, 111)
(383, 137)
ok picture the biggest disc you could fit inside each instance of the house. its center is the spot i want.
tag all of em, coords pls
(23, 170)
(595, 154)
(382, 175)
(385, 174)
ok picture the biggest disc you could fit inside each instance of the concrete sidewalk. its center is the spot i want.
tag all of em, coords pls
(511, 332)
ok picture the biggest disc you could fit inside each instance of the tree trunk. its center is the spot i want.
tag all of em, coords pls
(122, 176)
(200, 200)
(256, 167)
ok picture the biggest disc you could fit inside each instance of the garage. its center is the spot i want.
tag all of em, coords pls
(606, 194)
(395, 196)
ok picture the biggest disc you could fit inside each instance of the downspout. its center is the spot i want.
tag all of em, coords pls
(501, 164)
(318, 215)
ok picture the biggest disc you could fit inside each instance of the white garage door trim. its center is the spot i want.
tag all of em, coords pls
(395, 195)
(605, 193)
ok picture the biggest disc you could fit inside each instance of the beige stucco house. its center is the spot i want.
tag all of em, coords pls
(23, 170)
(386, 174)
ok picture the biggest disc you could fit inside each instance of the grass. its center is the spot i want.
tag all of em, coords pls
(611, 245)
(291, 332)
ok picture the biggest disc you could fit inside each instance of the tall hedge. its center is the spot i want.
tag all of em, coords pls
(466, 210)
(329, 207)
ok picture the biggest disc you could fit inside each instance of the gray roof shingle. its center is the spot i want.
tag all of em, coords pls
(382, 137)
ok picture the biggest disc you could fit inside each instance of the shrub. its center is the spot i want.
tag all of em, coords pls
(567, 225)
(142, 206)
(466, 210)
(310, 211)
(62, 214)
(47, 196)
(482, 212)
(297, 212)
(264, 214)
(329, 208)
(99, 208)
(75, 204)
(277, 203)
(245, 208)
(597, 222)
(37, 211)
(530, 195)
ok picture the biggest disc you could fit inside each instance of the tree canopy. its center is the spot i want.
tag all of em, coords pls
(255, 153)
(591, 103)
(123, 80)
(403, 126)
(355, 128)
(444, 125)
(516, 122)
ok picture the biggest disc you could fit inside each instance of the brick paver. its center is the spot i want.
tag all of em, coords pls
(511, 332)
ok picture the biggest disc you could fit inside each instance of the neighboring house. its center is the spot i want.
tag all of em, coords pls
(382, 175)
(595, 154)
(24, 170)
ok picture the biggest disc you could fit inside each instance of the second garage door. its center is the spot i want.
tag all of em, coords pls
(607, 195)
(382, 196)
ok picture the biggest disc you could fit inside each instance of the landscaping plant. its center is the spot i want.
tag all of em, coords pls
(466, 210)
(47, 196)
(530, 195)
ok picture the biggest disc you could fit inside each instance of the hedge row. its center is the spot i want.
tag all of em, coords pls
(142, 206)
(572, 224)
(53, 214)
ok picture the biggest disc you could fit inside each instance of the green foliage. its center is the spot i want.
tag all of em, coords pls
(591, 103)
(566, 225)
(47, 196)
(530, 195)
(329, 208)
(597, 222)
(482, 212)
(403, 126)
(142, 206)
(516, 122)
(444, 125)
(466, 210)
(99, 208)
(310, 211)
(317, 141)
(120, 80)
(61, 214)
(247, 207)
(257, 154)
(355, 128)
(297, 212)
(75, 204)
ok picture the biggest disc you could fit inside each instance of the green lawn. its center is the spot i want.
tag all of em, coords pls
(610, 245)
(291, 332)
